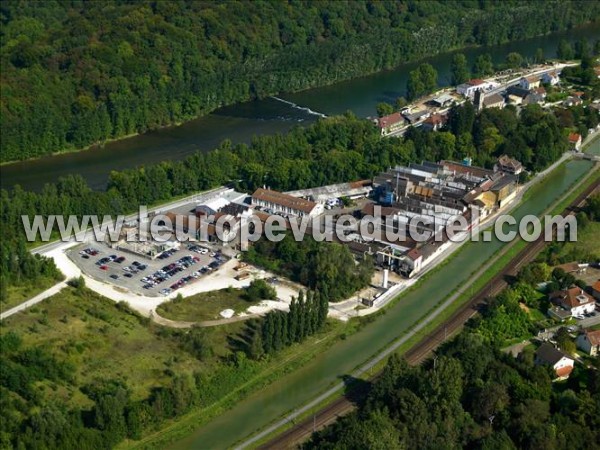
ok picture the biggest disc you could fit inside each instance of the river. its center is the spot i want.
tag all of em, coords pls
(240, 122)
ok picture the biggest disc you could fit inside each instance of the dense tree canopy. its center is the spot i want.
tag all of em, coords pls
(77, 73)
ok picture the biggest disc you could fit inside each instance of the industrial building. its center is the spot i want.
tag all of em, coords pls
(280, 203)
(433, 193)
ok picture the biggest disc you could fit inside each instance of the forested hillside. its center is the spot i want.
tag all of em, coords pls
(78, 73)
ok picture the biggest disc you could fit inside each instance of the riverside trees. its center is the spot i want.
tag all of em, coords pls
(76, 76)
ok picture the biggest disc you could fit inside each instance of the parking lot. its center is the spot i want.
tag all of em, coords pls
(170, 271)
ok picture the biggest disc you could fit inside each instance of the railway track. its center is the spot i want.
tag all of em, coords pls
(418, 353)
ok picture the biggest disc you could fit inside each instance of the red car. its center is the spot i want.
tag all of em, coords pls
(104, 267)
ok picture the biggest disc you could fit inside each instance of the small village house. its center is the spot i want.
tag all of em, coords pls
(574, 300)
(435, 122)
(548, 355)
(507, 164)
(551, 78)
(589, 342)
(390, 123)
(596, 290)
(575, 141)
(530, 82)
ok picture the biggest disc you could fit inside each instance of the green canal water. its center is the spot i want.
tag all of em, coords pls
(298, 388)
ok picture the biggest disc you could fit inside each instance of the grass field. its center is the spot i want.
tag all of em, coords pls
(102, 340)
(205, 306)
(18, 294)
(588, 241)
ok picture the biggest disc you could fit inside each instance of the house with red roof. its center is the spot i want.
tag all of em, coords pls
(435, 122)
(596, 290)
(574, 300)
(575, 141)
(589, 342)
(548, 355)
(390, 123)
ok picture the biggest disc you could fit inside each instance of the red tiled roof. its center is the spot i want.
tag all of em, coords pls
(475, 82)
(593, 337)
(572, 297)
(574, 137)
(596, 286)
(386, 121)
(564, 371)
(282, 199)
(437, 119)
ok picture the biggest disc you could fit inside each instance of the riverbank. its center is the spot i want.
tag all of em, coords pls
(241, 122)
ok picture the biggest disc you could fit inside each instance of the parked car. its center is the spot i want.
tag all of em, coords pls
(128, 275)
(103, 267)
(114, 276)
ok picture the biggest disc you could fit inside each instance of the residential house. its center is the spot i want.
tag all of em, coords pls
(507, 164)
(469, 88)
(597, 71)
(516, 94)
(530, 82)
(572, 101)
(435, 122)
(548, 355)
(575, 141)
(574, 300)
(493, 101)
(280, 203)
(540, 91)
(534, 98)
(551, 78)
(589, 342)
(596, 290)
(390, 124)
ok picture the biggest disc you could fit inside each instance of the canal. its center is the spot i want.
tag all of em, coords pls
(240, 122)
(297, 388)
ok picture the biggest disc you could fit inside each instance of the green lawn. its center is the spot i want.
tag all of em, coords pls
(588, 241)
(205, 306)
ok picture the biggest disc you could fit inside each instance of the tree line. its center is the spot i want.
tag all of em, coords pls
(76, 76)
(279, 329)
